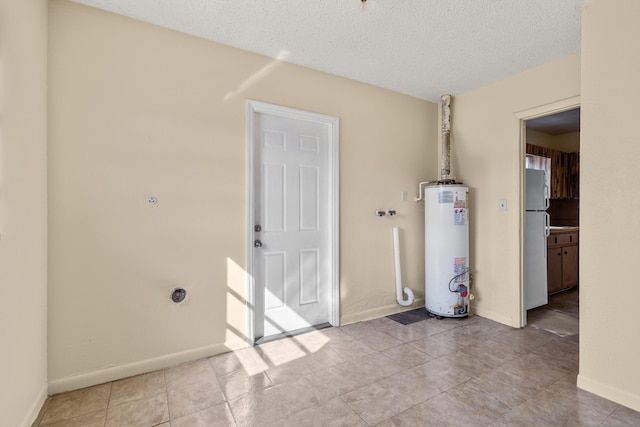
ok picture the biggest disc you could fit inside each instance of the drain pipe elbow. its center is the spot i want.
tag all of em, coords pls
(408, 301)
(399, 290)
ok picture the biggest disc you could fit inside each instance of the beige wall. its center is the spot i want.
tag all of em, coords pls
(23, 210)
(567, 142)
(610, 230)
(136, 110)
(488, 157)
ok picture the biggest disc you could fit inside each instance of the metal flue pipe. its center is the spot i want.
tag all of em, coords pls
(445, 124)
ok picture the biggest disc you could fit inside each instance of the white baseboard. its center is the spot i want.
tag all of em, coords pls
(113, 373)
(377, 312)
(622, 397)
(36, 406)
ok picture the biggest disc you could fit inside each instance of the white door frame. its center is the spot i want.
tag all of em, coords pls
(523, 116)
(257, 107)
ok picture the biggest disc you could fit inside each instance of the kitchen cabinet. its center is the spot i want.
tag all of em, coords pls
(562, 259)
(565, 171)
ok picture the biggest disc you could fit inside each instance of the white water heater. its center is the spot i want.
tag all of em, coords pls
(446, 249)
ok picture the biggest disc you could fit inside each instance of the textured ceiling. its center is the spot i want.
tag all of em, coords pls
(556, 124)
(423, 48)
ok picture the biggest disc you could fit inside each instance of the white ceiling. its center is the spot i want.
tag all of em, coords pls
(422, 48)
(556, 124)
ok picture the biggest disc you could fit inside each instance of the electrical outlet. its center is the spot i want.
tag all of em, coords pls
(152, 200)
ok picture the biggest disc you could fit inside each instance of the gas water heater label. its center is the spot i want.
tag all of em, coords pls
(445, 197)
(460, 212)
(459, 216)
(459, 265)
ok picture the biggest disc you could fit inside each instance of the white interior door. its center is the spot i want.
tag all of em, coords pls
(292, 270)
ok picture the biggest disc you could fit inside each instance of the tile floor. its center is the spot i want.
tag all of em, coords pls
(448, 372)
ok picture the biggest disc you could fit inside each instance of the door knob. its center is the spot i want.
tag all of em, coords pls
(257, 244)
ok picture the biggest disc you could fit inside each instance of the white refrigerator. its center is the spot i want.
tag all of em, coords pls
(535, 239)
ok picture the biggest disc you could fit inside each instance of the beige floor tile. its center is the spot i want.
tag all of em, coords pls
(378, 366)
(432, 326)
(375, 403)
(389, 396)
(338, 380)
(396, 330)
(184, 375)
(523, 340)
(334, 413)
(317, 340)
(438, 345)
(239, 383)
(93, 419)
(194, 396)
(306, 365)
(281, 352)
(138, 387)
(407, 356)
(534, 368)
(451, 408)
(148, 411)
(351, 350)
(442, 410)
(216, 416)
(440, 373)
(626, 415)
(466, 336)
(567, 388)
(460, 361)
(509, 388)
(248, 360)
(226, 363)
(272, 404)
(493, 353)
(480, 406)
(521, 417)
(72, 404)
(552, 409)
(355, 329)
(377, 340)
(561, 353)
(614, 422)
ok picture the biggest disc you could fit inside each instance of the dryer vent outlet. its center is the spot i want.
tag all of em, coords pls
(178, 295)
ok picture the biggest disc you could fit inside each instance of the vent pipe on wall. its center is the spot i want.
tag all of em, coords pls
(445, 156)
(445, 159)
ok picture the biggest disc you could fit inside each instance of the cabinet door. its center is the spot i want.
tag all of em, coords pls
(569, 266)
(554, 270)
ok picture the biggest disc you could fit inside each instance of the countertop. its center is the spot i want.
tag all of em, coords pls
(563, 229)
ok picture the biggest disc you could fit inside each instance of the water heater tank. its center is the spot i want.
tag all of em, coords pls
(446, 249)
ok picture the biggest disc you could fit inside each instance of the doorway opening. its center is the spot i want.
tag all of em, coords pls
(292, 221)
(550, 142)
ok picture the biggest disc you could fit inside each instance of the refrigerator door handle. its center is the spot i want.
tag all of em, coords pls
(546, 196)
(547, 225)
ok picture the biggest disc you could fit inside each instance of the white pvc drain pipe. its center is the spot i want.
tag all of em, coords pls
(407, 291)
